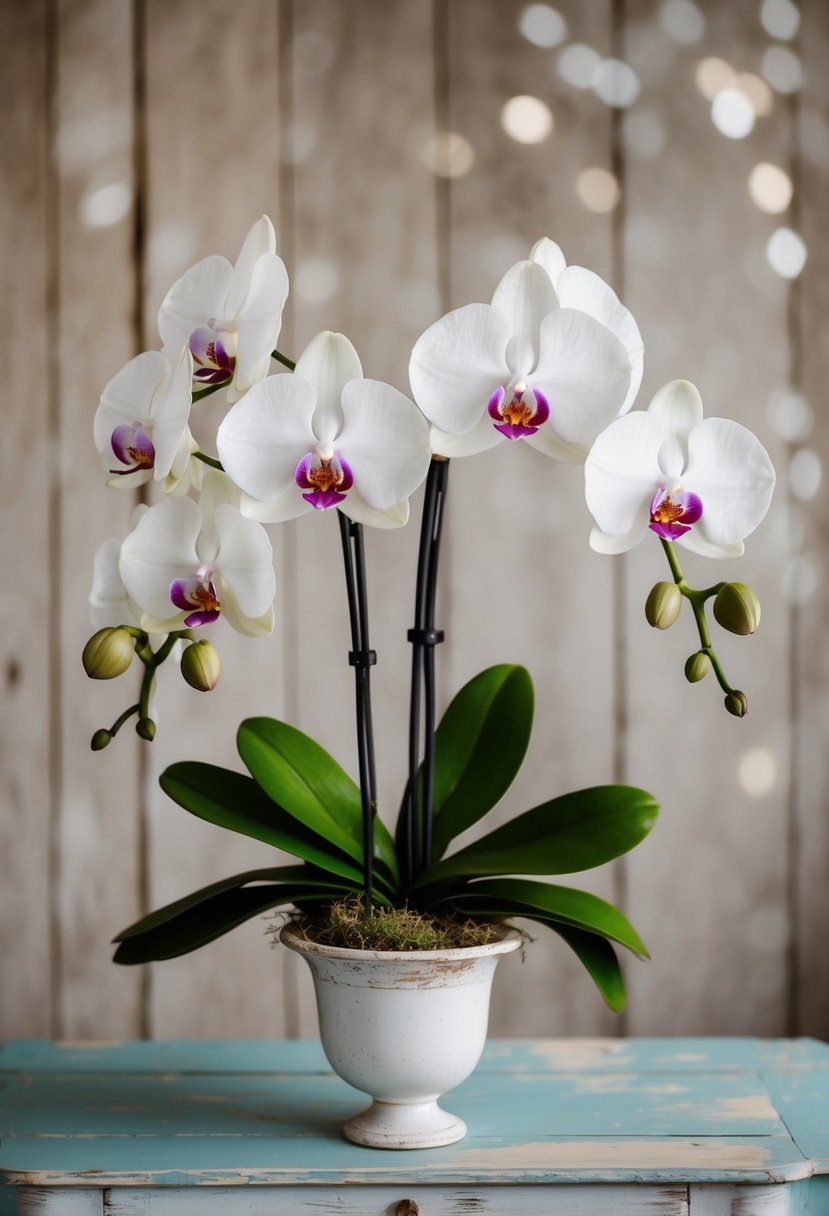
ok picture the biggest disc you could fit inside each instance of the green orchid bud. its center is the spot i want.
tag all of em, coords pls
(107, 654)
(145, 729)
(101, 739)
(736, 703)
(737, 608)
(697, 667)
(663, 605)
(201, 666)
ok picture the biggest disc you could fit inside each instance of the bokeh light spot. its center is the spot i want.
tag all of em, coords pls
(757, 771)
(713, 75)
(786, 253)
(782, 69)
(780, 18)
(616, 83)
(542, 25)
(527, 120)
(770, 188)
(643, 133)
(106, 206)
(732, 114)
(598, 189)
(757, 91)
(316, 280)
(805, 474)
(578, 64)
(683, 20)
(448, 154)
(800, 578)
(789, 414)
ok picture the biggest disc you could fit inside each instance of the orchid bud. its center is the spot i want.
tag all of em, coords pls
(107, 654)
(200, 665)
(663, 605)
(737, 608)
(697, 667)
(101, 739)
(736, 703)
(145, 729)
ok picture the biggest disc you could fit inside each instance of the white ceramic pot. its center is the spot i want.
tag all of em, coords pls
(404, 1027)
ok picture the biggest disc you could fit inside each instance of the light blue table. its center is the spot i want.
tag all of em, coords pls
(675, 1127)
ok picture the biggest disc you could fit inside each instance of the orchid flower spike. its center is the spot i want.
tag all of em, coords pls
(705, 483)
(187, 564)
(553, 359)
(324, 437)
(140, 426)
(229, 316)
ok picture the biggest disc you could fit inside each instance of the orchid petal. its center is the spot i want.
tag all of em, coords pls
(693, 541)
(127, 399)
(731, 471)
(481, 438)
(261, 239)
(622, 472)
(583, 371)
(199, 295)
(583, 290)
(602, 542)
(109, 605)
(186, 470)
(678, 406)
(357, 509)
(245, 558)
(217, 489)
(329, 362)
(171, 411)
(547, 441)
(525, 296)
(161, 548)
(251, 627)
(258, 323)
(264, 435)
(385, 440)
(549, 257)
(288, 504)
(458, 363)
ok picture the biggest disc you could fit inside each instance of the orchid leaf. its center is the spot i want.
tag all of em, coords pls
(200, 918)
(546, 901)
(312, 787)
(479, 747)
(577, 831)
(234, 801)
(599, 958)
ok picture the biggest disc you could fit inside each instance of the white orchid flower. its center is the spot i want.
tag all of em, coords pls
(325, 437)
(140, 426)
(553, 359)
(187, 564)
(705, 483)
(229, 316)
(109, 604)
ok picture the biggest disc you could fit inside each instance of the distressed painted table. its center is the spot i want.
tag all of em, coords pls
(678, 1127)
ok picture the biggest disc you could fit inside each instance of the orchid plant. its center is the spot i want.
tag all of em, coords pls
(555, 360)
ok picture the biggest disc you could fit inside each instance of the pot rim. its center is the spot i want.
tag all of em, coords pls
(510, 939)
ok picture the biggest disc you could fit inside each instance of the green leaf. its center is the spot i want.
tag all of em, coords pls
(200, 918)
(599, 957)
(234, 801)
(479, 746)
(303, 778)
(574, 832)
(543, 900)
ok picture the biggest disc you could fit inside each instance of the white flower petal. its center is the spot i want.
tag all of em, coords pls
(217, 490)
(357, 509)
(482, 437)
(693, 541)
(329, 362)
(160, 625)
(525, 296)
(548, 255)
(458, 363)
(244, 558)
(265, 435)
(161, 548)
(582, 289)
(602, 542)
(171, 413)
(385, 440)
(547, 441)
(186, 470)
(731, 472)
(199, 295)
(289, 504)
(622, 472)
(584, 372)
(258, 323)
(261, 239)
(678, 406)
(109, 604)
(251, 627)
(125, 400)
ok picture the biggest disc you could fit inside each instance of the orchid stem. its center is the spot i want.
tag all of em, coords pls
(284, 360)
(361, 659)
(697, 600)
(124, 717)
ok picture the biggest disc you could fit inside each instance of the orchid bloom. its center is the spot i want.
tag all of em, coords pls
(229, 316)
(324, 437)
(553, 359)
(705, 483)
(109, 604)
(187, 564)
(140, 426)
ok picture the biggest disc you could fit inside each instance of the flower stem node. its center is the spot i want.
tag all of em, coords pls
(107, 654)
(663, 605)
(697, 667)
(201, 666)
(736, 703)
(737, 608)
(101, 739)
(145, 729)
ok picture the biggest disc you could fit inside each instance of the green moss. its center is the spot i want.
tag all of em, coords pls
(347, 924)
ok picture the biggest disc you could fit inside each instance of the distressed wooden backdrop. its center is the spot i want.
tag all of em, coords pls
(140, 136)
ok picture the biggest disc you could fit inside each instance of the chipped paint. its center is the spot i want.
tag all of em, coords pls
(571, 1055)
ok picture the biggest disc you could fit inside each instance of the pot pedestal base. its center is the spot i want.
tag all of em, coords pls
(404, 1125)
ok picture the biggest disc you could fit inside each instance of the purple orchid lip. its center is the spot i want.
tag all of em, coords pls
(198, 593)
(521, 413)
(215, 364)
(133, 447)
(673, 513)
(326, 481)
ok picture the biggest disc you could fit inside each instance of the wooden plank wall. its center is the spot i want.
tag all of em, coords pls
(142, 135)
